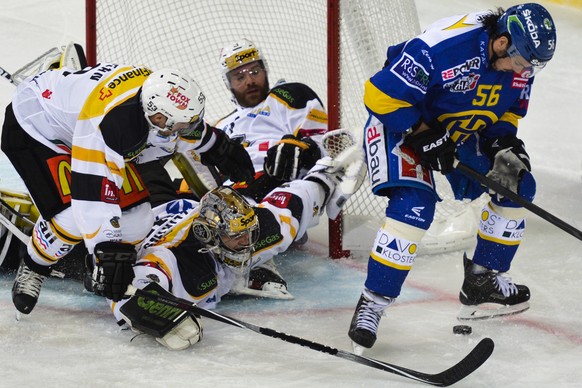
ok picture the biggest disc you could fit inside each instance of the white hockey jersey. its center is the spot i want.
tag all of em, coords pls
(95, 116)
(289, 109)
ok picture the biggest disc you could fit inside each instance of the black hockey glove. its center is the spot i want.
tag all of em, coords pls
(509, 160)
(434, 147)
(230, 157)
(113, 270)
(286, 159)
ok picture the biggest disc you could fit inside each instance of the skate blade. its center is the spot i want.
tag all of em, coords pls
(489, 311)
(18, 316)
(269, 294)
(358, 349)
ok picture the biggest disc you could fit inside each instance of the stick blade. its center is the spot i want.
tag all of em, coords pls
(467, 365)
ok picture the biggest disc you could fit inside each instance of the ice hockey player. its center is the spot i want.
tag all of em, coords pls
(197, 251)
(71, 136)
(457, 90)
(280, 127)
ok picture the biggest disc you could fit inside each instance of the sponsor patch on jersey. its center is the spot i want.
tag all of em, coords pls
(394, 252)
(518, 82)
(109, 191)
(279, 199)
(465, 67)
(178, 206)
(463, 84)
(411, 73)
(375, 144)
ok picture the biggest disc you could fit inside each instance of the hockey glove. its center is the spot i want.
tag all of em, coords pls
(434, 147)
(509, 161)
(285, 159)
(113, 270)
(230, 157)
(171, 326)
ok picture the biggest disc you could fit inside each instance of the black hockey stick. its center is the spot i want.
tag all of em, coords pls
(462, 369)
(499, 189)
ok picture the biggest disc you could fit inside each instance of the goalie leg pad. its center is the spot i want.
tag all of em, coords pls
(172, 327)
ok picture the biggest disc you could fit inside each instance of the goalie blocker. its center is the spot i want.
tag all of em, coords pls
(171, 326)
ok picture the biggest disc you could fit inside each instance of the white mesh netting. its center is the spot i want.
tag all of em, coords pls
(188, 35)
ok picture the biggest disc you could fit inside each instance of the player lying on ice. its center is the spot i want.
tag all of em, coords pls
(198, 252)
(457, 90)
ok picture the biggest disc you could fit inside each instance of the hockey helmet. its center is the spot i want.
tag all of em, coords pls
(238, 54)
(176, 96)
(227, 225)
(533, 36)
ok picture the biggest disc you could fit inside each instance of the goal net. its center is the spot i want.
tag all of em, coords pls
(331, 45)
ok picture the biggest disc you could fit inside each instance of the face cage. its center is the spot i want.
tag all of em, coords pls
(528, 68)
(240, 258)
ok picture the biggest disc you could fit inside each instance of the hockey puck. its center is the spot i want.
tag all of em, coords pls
(462, 329)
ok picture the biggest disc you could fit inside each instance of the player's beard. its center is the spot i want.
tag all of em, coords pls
(252, 95)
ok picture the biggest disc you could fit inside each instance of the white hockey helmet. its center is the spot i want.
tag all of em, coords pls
(237, 54)
(227, 225)
(176, 96)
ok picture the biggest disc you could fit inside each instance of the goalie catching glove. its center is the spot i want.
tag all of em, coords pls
(509, 159)
(171, 326)
(286, 159)
(113, 269)
(230, 157)
(434, 147)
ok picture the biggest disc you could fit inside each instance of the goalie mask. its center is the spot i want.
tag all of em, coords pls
(175, 95)
(237, 54)
(227, 225)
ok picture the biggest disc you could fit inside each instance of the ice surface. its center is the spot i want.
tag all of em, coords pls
(71, 339)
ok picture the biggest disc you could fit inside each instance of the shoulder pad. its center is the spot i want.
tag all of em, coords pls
(294, 94)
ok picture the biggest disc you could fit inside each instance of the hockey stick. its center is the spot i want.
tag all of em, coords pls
(462, 369)
(6, 75)
(14, 229)
(499, 189)
(21, 216)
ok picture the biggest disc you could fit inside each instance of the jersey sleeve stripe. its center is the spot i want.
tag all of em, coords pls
(379, 102)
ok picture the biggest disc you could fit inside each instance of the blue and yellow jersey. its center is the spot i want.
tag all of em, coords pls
(445, 74)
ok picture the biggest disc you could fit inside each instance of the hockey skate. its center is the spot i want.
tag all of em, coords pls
(364, 325)
(26, 289)
(264, 281)
(490, 294)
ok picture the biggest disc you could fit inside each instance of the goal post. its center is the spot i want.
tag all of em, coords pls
(333, 46)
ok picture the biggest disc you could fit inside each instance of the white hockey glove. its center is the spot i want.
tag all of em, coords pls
(509, 159)
(286, 159)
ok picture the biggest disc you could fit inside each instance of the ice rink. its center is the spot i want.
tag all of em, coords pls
(71, 340)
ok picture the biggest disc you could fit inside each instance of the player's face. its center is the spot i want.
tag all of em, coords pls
(509, 59)
(236, 243)
(249, 84)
